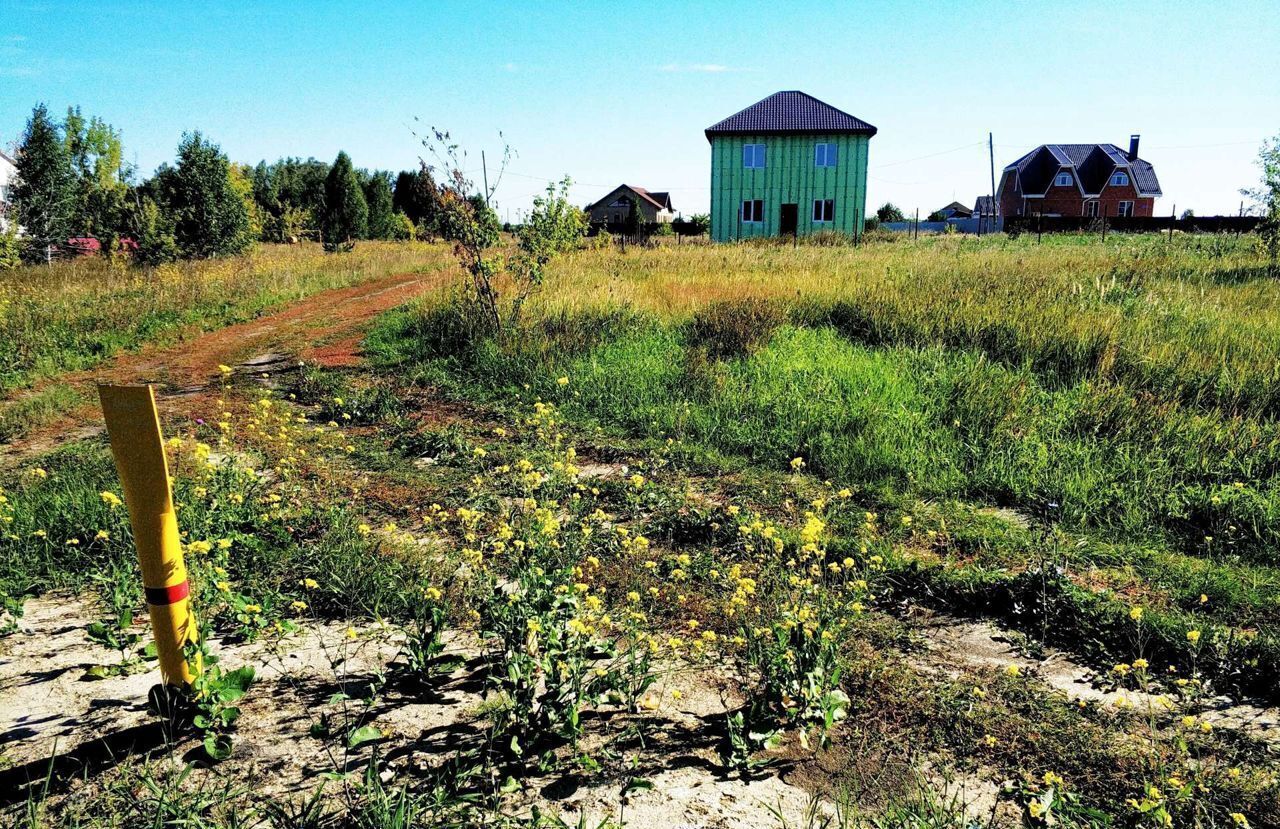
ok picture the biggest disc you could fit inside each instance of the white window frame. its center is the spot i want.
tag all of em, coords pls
(1119, 179)
(754, 156)
(826, 154)
(1058, 179)
(1090, 210)
(1124, 209)
(821, 215)
(748, 206)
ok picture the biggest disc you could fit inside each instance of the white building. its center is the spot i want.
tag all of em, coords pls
(8, 177)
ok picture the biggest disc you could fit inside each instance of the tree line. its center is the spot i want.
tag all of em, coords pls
(73, 186)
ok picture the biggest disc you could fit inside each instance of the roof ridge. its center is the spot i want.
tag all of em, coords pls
(791, 111)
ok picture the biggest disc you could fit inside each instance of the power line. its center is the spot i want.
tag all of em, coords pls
(930, 155)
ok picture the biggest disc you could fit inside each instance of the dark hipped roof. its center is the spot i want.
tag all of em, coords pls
(1093, 163)
(790, 112)
(956, 207)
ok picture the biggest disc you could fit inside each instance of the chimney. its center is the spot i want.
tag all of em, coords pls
(1133, 146)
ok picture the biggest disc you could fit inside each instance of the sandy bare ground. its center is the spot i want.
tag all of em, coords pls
(49, 708)
(963, 642)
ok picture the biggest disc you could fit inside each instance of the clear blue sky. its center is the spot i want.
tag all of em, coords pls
(613, 92)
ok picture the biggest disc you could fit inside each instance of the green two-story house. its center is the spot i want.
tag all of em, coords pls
(789, 164)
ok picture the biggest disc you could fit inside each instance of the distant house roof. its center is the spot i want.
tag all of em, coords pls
(789, 112)
(1093, 163)
(982, 206)
(956, 207)
(659, 199)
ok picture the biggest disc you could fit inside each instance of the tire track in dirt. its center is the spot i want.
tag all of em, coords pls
(325, 328)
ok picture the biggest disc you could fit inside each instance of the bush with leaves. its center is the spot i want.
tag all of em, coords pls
(10, 248)
(554, 226)
(890, 212)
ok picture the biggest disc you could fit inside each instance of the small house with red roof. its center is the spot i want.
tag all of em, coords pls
(655, 206)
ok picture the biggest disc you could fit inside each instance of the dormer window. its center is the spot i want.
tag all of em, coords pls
(1119, 179)
(1063, 180)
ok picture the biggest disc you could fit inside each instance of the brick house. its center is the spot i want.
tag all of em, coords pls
(612, 210)
(1079, 180)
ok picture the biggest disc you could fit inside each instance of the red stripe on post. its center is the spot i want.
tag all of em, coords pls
(167, 595)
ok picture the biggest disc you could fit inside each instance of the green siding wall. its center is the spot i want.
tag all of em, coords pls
(789, 177)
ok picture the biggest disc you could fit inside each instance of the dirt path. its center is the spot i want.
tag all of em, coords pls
(325, 328)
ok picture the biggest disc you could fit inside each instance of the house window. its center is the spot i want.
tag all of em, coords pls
(1091, 208)
(824, 155)
(824, 210)
(753, 156)
(1063, 180)
(1125, 208)
(1119, 179)
(753, 211)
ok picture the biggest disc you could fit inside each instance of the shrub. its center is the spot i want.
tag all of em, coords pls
(10, 250)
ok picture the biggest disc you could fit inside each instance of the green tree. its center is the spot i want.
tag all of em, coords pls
(346, 214)
(44, 196)
(418, 197)
(290, 197)
(97, 160)
(150, 228)
(208, 214)
(377, 195)
(635, 219)
(1267, 195)
(266, 199)
(889, 212)
(242, 182)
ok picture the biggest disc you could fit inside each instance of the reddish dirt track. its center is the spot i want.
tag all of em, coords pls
(325, 328)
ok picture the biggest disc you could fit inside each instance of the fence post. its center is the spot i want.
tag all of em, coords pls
(133, 427)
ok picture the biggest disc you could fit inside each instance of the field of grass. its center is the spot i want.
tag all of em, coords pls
(747, 472)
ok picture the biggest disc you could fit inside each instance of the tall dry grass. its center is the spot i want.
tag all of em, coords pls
(1193, 318)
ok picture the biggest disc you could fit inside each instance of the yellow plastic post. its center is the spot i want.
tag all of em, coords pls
(134, 429)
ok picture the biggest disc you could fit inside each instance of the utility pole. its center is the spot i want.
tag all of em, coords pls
(484, 168)
(991, 151)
